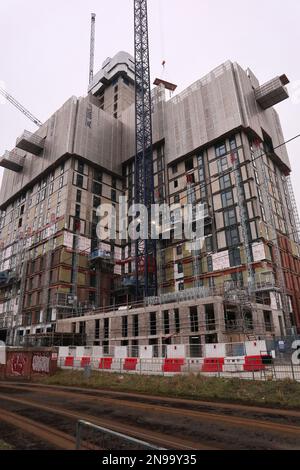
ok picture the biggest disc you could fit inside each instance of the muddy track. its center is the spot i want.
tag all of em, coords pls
(201, 425)
(53, 414)
(167, 401)
(44, 433)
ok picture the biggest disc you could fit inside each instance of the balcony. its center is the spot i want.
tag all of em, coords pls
(31, 143)
(99, 255)
(12, 161)
(272, 92)
(264, 283)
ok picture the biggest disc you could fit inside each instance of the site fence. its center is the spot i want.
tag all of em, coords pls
(239, 368)
(92, 437)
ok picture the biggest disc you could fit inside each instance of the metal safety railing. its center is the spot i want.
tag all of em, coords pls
(91, 436)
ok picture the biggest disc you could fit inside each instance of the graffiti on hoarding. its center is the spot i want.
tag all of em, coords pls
(41, 363)
(17, 364)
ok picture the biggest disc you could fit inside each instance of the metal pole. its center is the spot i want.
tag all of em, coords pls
(293, 371)
(92, 47)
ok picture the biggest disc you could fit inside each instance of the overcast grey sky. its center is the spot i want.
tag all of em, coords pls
(45, 50)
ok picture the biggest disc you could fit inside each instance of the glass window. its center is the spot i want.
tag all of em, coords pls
(232, 236)
(189, 164)
(194, 319)
(210, 267)
(225, 181)
(180, 267)
(79, 180)
(98, 176)
(77, 210)
(227, 198)
(96, 202)
(113, 195)
(78, 196)
(222, 164)
(177, 320)
(80, 167)
(97, 188)
(135, 325)
(229, 217)
(209, 244)
(220, 149)
(235, 257)
(179, 250)
(232, 143)
(124, 327)
(153, 326)
(210, 317)
(166, 322)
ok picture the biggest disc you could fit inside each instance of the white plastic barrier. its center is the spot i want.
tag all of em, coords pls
(175, 351)
(193, 365)
(2, 353)
(117, 365)
(83, 351)
(215, 350)
(121, 352)
(97, 352)
(234, 364)
(63, 351)
(151, 366)
(146, 352)
(255, 348)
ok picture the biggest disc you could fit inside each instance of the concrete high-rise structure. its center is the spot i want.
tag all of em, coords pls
(60, 283)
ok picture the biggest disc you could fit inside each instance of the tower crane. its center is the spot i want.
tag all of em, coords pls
(145, 249)
(21, 108)
(92, 47)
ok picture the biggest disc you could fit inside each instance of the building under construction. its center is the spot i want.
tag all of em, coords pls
(218, 143)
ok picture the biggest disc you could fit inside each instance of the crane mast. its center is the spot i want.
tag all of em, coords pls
(21, 108)
(92, 47)
(145, 249)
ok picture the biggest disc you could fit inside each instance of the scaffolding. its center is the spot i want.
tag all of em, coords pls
(243, 219)
(48, 265)
(258, 158)
(292, 206)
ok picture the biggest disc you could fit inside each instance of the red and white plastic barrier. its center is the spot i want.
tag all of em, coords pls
(213, 364)
(130, 363)
(105, 363)
(173, 365)
(216, 359)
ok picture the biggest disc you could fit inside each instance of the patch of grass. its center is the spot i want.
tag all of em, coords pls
(285, 394)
